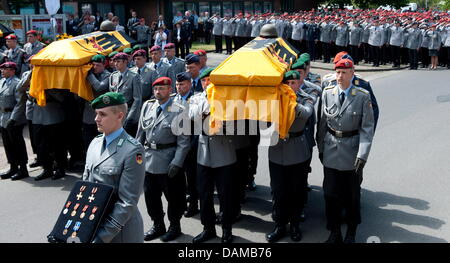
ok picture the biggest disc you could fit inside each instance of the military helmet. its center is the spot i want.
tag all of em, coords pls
(107, 26)
(268, 31)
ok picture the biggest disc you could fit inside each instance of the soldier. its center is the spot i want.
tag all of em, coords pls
(288, 166)
(365, 40)
(115, 158)
(355, 40)
(184, 94)
(14, 53)
(12, 122)
(165, 152)
(228, 32)
(193, 67)
(312, 36)
(413, 44)
(325, 39)
(446, 31)
(143, 33)
(129, 85)
(216, 158)
(344, 139)
(217, 31)
(297, 32)
(177, 65)
(203, 58)
(424, 52)
(158, 66)
(434, 45)
(143, 69)
(396, 41)
(375, 42)
(311, 77)
(342, 36)
(240, 33)
(132, 23)
(257, 24)
(32, 47)
(98, 77)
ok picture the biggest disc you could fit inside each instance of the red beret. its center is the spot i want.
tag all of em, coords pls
(121, 55)
(11, 37)
(344, 63)
(169, 46)
(139, 53)
(339, 56)
(200, 52)
(162, 81)
(9, 65)
(155, 48)
(33, 32)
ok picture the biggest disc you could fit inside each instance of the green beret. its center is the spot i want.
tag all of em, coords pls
(206, 73)
(98, 58)
(139, 46)
(108, 99)
(291, 75)
(128, 50)
(112, 54)
(299, 64)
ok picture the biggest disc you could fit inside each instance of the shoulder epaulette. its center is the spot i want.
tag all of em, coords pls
(329, 87)
(132, 140)
(98, 136)
(173, 95)
(361, 90)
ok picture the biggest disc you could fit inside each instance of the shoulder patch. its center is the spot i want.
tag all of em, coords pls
(329, 87)
(362, 90)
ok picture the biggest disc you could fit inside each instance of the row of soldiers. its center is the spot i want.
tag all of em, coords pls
(373, 37)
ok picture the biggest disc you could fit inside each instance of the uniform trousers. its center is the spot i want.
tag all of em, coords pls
(395, 52)
(354, 53)
(253, 157)
(375, 54)
(425, 59)
(237, 42)
(190, 166)
(413, 58)
(288, 187)
(15, 149)
(174, 190)
(312, 49)
(72, 127)
(366, 52)
(448, 55)
(222, 179)
(228, 44)
(218, 42)
(51, 145)
(32, 139)
(326, 52)
(342, 193)
(241, 176)
(180, 48)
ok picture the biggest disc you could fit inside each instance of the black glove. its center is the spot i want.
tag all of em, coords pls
(321, 157)
(359, 166)
(173, 170)
(10, 124)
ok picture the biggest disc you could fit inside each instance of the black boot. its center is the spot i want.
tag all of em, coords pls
(60, 173)
(278, 232)
(156, 231)
(12, 171)
(21, 174)
(192, 209)
(173, 232)
(207, 234)
(351, 234)
(47, 173)
(335, 237)
(227, 236)
(295, 232)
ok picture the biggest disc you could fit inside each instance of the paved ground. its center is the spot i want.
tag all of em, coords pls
(405, 193)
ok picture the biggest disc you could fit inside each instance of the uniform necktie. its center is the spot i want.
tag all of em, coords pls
(342, 98)
(103, 145)
(120, 78)
(158, 111)
(156, 66)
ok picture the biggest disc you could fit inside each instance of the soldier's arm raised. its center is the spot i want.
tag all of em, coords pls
(98, 85)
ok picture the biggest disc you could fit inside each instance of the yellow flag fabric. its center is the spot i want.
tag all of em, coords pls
(251, 80)
(65, 64)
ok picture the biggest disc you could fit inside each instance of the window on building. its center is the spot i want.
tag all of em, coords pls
(248, 7)
(238, 8)
(258, 7)
(177, 7)
(215, 8)
(227, 8)
(190, 7)
(267, 7)
(203, 7)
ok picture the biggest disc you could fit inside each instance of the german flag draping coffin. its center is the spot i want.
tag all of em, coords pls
(64, 64)
(254, 76)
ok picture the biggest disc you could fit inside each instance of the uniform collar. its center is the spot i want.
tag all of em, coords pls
(347, 91)
(112, 136)
(185, 97)
(163, 106)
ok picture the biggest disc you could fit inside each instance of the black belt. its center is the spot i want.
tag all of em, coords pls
(295, 134)
(341, 134)
(157, 146)
(7, 109)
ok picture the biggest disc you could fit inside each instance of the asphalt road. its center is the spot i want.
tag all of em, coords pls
(405, 193)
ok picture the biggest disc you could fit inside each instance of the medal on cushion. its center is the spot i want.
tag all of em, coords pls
(75, 229)
(74, 212)
(92, 216)
(92, 198)
(83, 212)
(79, 195)
(66, 228)
(66, 210)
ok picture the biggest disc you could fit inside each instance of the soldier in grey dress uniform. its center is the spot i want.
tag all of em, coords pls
(423, 52)
(129, 84)
(159, 67)
(12, 122)
(177, 65)
(217, 31)
(365, 40)
(396, 41)
(116, 158)
(143, 33)
(143, 69)
(228, 31)
(98, 77)
(375, 42)
(342, 36)
(165, 152)
(344, 138)
(15, 53)
(32, 47)
(216, 158)
(256, 23)
(288, 166)
(355, 40)
(413, 44)
(325, 38)
(445, 29)
(29, 106)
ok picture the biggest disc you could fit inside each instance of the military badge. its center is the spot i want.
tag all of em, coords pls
(357, 82)
(139, 158)
(106, 100)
